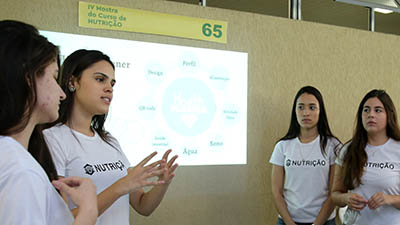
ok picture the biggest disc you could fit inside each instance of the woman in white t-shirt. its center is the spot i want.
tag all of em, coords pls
(29, 96)
(302, 164)
(81, 147)
(367, 174)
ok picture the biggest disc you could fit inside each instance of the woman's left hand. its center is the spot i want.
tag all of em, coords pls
(378, 199)
(169, 174)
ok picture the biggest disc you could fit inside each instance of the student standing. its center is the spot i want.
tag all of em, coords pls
(367, 174)
(29, 96)
(303, 164)
(81, 146)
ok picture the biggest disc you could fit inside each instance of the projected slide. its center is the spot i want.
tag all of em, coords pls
(191, 100)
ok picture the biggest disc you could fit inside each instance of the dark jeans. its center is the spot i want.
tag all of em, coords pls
(329, 222)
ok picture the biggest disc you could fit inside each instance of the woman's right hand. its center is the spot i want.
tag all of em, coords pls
(82, 192)
(356, 201)
(139, 176)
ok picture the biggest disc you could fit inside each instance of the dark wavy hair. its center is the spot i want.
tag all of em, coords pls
(356, 156)
(72, 69)
(24, 55)
(323, 125)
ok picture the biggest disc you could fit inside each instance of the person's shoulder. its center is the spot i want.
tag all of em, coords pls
(392, 144)
(113, 141)
(58, 128)
(334, 141)
(283, 144)
(392, 141)
(287, 141)
(11, 152)
(16, 160)
(58, 131)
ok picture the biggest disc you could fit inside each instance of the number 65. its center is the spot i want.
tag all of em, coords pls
(216, 31)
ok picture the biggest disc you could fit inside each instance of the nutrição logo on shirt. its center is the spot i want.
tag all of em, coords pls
(314, 163)
(380, 165)
(91, 169)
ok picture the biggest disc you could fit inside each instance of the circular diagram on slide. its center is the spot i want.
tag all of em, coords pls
(188, 106)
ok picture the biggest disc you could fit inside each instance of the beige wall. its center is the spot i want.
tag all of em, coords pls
(284, 55)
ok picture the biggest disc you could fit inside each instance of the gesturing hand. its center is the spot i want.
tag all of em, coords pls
(82, 192)
(356, 202)
(139, 176)
(168, 174)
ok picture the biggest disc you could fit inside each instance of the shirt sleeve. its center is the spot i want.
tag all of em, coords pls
(334, 148)
(23, 199)
(339, 159)
(278, 157)
(57, 152)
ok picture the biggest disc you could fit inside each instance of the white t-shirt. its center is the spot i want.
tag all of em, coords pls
(306, 185)
(381, 174)
(26, 194)
(76, 154)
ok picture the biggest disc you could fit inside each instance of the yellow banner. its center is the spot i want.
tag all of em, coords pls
(116, 18)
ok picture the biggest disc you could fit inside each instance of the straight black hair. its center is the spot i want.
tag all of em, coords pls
(323, 125)
(71, 70)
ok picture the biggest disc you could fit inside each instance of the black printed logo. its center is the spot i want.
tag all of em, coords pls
(382, 165)
(104, 167)
(310, 163)
(89, 169)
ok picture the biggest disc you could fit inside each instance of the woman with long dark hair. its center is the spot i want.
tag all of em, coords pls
(30, 96)
(82, 147)
(367, 174)
(302, 164)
